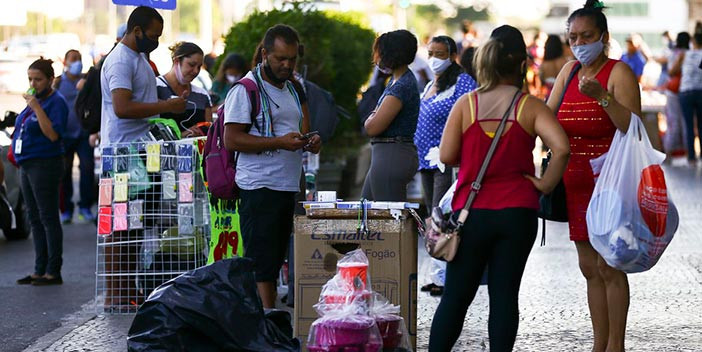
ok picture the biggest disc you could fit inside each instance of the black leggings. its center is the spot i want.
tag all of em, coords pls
(502, 240)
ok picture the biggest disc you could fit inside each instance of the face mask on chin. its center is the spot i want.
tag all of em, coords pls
(179, 73)
(587, 53)
(384, 70)
(43, 94)
(145, 45)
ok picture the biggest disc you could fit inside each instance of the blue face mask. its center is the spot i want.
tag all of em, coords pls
(75, 68)
(587, 53)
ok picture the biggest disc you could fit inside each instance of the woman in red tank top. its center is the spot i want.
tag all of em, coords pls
(508, 191)
(598, 101)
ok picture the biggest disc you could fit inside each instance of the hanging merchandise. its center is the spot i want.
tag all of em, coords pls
(225, 230)
(631, 218)
(153, 224)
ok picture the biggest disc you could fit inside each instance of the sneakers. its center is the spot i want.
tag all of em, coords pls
(84, 214)
(66, 217)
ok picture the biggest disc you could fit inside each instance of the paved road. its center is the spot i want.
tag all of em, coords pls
(665, 304)
(29, 312)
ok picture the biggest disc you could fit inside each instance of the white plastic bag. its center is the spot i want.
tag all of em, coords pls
(631, 218)
(445, 202)
(438, 272)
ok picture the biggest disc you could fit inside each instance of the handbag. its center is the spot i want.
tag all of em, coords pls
(673, 84)
(443, 236)
(552, 206)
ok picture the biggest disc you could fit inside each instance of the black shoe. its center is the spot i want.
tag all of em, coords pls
(44, 281)
(27, 280)
(437, 291)
(428, 287)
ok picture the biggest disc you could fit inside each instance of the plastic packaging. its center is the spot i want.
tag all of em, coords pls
(631, 218)
(344, 332)
(391, 325)
(352, 317)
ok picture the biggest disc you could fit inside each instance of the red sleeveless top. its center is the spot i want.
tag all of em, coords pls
(590, 132)
(504, 184)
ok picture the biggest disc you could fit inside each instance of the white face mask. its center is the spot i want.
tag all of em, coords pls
(438, 65)
(587, 53)
(179, 74)
(232, 78)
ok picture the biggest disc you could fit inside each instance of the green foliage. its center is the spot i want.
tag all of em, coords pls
(337, 50)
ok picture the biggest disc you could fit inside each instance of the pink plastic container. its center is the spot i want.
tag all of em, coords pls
(390, 327)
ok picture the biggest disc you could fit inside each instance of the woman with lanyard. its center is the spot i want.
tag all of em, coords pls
(440, 94)
(392, 125)
(38, 150)
(187, 62)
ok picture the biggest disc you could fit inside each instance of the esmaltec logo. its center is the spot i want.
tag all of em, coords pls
(348, 236)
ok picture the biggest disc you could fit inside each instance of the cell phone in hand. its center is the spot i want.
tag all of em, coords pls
(309, 135)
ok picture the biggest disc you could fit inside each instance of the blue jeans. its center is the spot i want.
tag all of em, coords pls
(40, 179)
(80, 146)
(691, 105)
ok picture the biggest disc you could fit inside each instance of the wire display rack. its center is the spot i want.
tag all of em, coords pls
(153, 220)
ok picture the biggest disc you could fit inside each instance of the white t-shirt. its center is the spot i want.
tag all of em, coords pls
(124, 68)
(691, 78)
(278, 170)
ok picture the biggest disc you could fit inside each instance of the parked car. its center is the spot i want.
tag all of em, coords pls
(14, 217)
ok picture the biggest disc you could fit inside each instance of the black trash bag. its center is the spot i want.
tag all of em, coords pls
(213, 308)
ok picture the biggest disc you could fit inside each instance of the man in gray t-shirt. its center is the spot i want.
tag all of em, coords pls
(128, 82)
(270, 160)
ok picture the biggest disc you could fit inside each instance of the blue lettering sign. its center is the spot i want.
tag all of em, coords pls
(157, 4)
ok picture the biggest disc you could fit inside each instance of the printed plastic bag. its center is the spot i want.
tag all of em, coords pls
(631, 218)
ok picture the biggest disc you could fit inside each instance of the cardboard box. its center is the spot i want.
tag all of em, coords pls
(391, 248)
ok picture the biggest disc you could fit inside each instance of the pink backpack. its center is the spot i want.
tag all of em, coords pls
(219, 163)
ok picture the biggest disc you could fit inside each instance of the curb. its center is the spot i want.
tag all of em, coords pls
(68, 324)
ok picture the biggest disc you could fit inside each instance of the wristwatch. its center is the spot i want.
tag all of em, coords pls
(604, 102)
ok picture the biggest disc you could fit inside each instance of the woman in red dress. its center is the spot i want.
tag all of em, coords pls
(598, 101)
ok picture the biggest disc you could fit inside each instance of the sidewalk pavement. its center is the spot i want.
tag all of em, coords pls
(664, 314)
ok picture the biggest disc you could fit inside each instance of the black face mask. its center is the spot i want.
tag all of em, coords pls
(269, 73)
(43, 94)
(146, 45)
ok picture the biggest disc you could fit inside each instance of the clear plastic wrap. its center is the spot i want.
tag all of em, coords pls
(344, 332)
(352, 317)
(392, 327)
(349, 287)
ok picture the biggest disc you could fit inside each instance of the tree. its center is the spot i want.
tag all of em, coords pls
(337, 51)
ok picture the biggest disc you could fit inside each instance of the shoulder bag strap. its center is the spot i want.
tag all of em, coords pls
(475, 186)
(572, 74)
